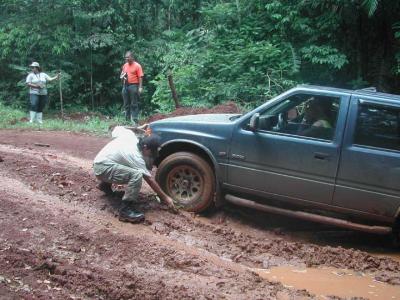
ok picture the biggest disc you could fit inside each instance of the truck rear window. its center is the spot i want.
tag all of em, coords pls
(378, 126)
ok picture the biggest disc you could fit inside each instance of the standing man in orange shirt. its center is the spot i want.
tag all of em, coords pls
(131, 76)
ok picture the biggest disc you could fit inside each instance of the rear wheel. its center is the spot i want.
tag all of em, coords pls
(188, 179)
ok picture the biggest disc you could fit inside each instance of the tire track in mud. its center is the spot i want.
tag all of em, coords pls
(219, 239)
(53, 247)
(248, 250)
(70, 180)
(68, 253)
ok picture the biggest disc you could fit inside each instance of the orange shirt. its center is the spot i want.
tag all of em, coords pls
(134, 71)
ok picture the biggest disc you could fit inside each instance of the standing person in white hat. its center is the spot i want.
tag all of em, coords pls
(36, 80)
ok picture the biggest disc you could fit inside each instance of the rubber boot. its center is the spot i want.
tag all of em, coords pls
(127, 214)
(32, 116)
(39, 117)
(133, 120)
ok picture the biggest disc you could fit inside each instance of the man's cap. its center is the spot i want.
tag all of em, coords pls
(35, 64)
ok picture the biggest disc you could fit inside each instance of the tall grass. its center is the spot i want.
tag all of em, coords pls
(11, 118)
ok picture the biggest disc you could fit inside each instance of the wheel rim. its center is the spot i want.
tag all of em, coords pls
(185, 183)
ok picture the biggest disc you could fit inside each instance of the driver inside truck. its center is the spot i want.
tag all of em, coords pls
(317, 118)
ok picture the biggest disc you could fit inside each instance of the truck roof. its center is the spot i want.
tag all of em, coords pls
(360, 92)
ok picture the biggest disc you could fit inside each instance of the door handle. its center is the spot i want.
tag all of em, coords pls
(321, 156)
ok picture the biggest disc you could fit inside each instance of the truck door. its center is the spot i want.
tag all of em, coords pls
(369, 173)
(290, 156)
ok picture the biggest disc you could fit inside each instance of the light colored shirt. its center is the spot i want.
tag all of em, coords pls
(322, 123)
(123, 150)
(39, 79)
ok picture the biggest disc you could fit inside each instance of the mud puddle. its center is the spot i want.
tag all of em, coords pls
(328, 281)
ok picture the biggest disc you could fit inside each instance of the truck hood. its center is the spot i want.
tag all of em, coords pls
(202, 118)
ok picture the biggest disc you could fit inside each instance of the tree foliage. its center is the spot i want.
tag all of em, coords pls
(241, 50)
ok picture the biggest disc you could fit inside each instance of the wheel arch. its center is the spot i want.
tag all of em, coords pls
(170, 147)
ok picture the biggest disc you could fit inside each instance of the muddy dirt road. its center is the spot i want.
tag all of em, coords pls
(60, 239)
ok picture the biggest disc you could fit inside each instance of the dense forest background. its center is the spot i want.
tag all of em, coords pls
(216, 50)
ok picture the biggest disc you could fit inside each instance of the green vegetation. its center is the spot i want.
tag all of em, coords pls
(15, 118)
(217, 50)
(9, 116)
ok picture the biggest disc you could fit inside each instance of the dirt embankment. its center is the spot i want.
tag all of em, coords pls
(226, 108)
(60, 237)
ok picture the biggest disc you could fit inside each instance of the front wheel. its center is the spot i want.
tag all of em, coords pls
(188, 179)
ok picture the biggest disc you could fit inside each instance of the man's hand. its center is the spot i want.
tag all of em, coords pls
(171, 205)
(163, 196)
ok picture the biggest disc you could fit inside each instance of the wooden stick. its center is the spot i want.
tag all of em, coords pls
(173, 91)
(41, 145)
(61, 97)
(138, 129)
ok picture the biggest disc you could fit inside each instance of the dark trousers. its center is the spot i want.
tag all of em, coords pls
(37, 102)
(130, 94)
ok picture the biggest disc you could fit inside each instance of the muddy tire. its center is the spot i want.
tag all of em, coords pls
(188, 179)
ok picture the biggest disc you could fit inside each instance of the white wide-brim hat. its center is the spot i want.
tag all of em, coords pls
(35, 64)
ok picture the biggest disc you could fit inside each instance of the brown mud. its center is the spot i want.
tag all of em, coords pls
(60, 237)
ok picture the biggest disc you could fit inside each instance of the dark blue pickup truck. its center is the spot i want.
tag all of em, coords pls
(317, 153)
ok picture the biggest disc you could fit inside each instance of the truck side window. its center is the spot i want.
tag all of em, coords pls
(378, 126)
(303, 115)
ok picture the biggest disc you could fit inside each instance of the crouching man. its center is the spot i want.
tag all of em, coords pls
(126, 160)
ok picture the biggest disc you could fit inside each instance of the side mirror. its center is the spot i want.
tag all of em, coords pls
(254, 122)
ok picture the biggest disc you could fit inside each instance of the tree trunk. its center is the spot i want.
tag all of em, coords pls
(173, 90)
